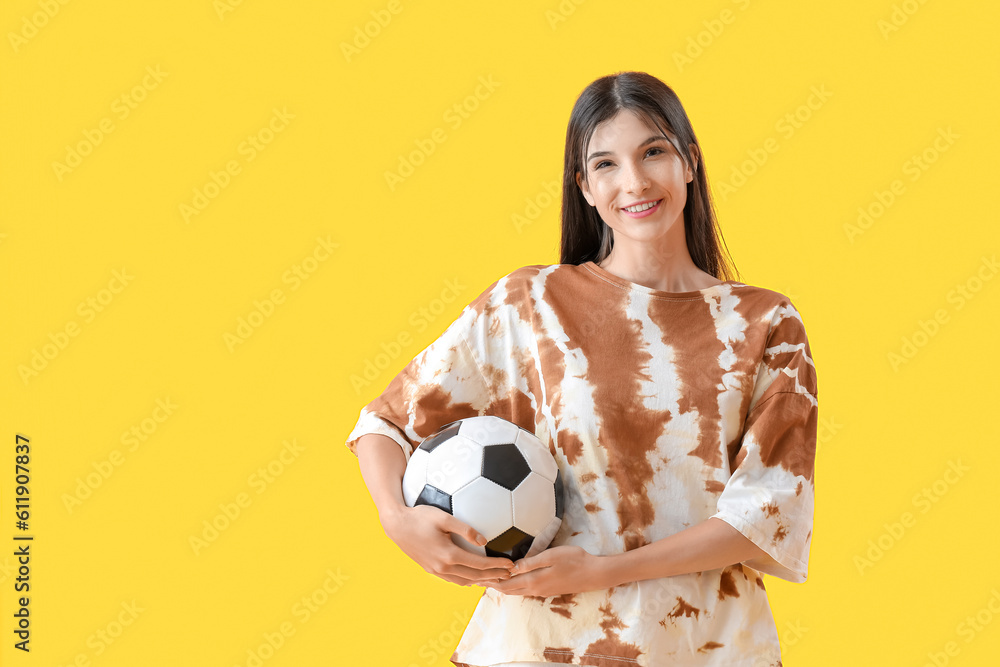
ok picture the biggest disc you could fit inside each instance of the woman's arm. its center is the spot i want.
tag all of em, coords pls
(422, 532)
(382, 466)
(708, 545)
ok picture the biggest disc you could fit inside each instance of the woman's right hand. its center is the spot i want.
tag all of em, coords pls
(424, 534)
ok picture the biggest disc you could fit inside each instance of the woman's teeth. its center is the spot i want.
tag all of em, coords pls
(642, 207)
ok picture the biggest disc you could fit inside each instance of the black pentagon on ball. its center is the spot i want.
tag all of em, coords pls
(444, 433)
(512, 543)
(435, 497)
(505, 465)
(559, 494)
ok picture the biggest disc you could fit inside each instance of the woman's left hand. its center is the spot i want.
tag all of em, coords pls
(556, 571)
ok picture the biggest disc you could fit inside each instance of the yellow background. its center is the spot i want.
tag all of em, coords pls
(887, 431)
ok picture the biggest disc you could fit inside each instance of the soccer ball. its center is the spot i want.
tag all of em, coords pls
(494, 476)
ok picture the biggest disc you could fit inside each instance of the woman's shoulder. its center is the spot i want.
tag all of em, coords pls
(524, 277)
(758, 293)
(539, 273)
(519, 282)
(773, 308)
(530, 271)
(518, 286)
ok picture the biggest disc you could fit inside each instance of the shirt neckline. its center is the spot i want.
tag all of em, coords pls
(606, 275)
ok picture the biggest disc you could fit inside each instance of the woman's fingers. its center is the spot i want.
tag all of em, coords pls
(475, 576)
(454, 579)
(426, 534)
(467, 558)
(453, 525)
(474, 566)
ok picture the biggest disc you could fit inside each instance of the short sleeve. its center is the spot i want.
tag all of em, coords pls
(443, 383)
(770, 494)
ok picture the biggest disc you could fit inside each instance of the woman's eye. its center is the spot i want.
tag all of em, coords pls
(655, 150)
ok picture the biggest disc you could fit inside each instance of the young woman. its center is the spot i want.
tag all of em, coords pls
(680, 404)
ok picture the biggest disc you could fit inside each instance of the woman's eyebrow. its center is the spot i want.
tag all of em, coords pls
(648, 141)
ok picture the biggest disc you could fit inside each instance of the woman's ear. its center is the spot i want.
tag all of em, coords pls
(689, 171)
(584, 188)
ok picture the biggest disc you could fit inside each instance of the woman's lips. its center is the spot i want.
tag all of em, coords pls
(643, 214)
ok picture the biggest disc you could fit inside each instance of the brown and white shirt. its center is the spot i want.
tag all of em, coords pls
(662, 409)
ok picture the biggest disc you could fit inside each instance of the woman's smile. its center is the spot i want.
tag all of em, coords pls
(642, 209)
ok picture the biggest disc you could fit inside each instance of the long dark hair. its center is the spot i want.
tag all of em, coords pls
(585, 236)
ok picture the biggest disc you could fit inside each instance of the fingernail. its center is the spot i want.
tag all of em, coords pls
(480, 540)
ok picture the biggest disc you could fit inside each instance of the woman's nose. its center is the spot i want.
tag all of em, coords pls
(635, 179)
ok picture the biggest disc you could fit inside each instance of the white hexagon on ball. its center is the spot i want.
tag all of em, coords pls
(537, 455)
(534, 504)
(467, 504)
(489, 430)
(453, 464)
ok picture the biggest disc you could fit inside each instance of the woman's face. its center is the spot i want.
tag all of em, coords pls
(627, 164)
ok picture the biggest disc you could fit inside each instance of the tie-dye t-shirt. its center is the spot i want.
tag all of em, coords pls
(662, 409)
